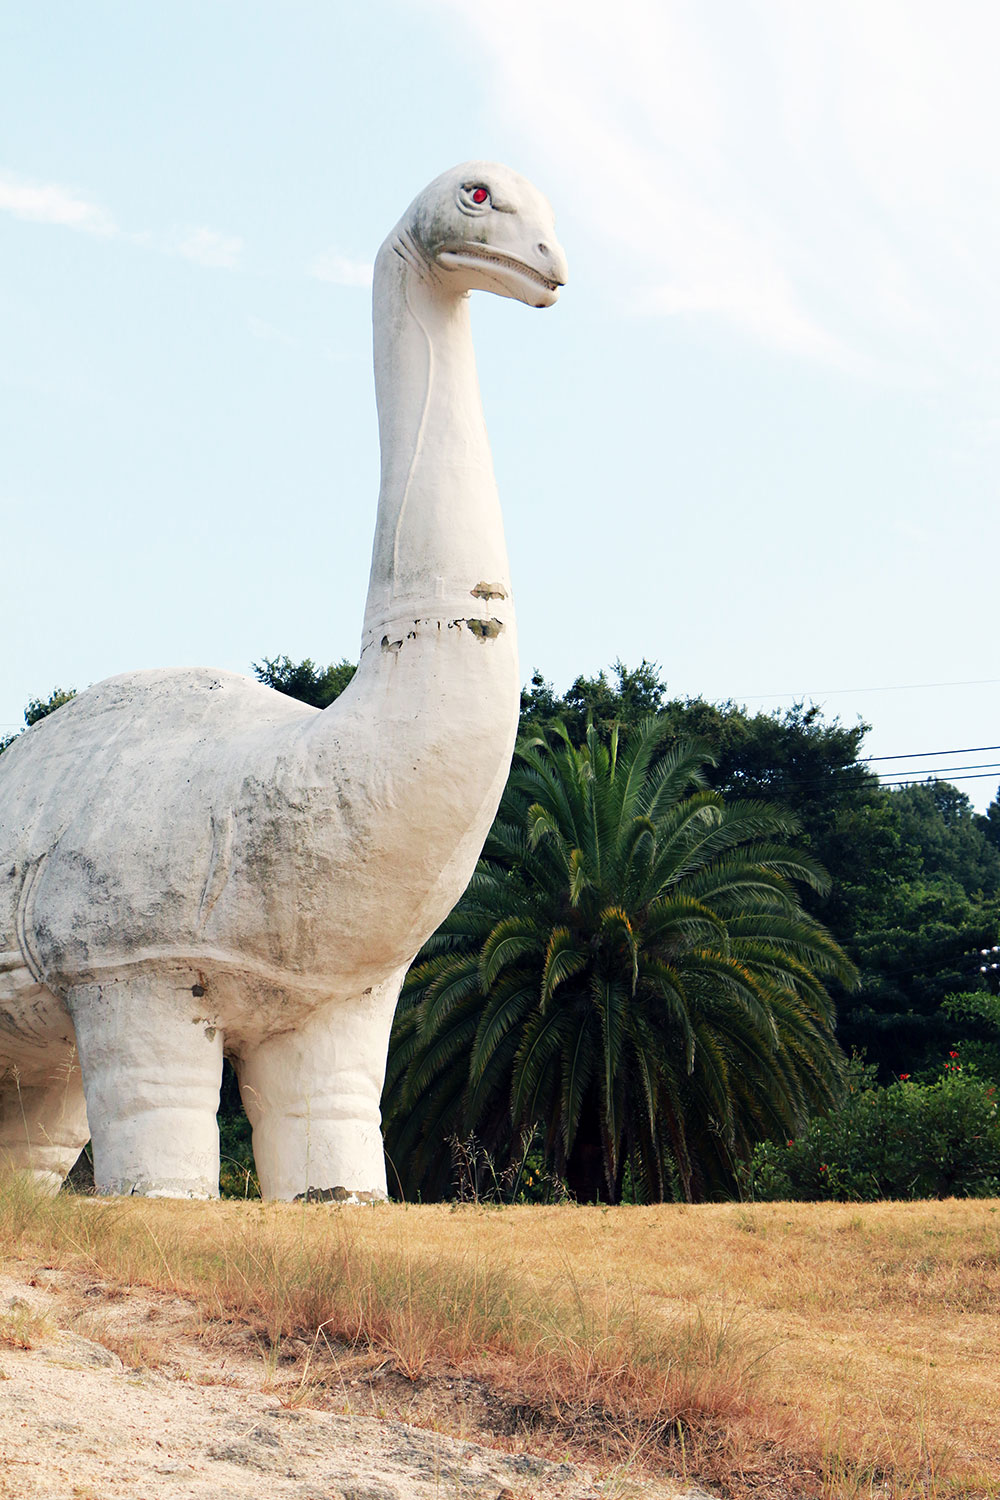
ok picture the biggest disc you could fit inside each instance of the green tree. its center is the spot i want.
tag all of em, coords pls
(793, 756)
(304, 679)
(989, 822)
(923, 948)
(940, 821)
(914, 871)
(630, 971)
(40, 708)
(921, 943)
(975, 1019)
(636, 694)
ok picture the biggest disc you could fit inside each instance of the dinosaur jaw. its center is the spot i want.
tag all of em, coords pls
(498, 271)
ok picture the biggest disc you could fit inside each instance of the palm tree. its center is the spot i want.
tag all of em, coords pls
(630, 972)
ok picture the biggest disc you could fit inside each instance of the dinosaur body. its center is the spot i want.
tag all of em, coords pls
(191, 863)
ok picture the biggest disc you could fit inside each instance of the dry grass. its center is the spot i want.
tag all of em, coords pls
(23, 1327)
(136, 1348)
(778, 1350)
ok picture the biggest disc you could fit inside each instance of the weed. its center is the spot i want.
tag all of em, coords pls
(22, 1326)
(525, 1179)
(136, 1351)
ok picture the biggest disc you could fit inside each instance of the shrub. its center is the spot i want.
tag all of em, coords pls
(910, 1140)
(978, 1012)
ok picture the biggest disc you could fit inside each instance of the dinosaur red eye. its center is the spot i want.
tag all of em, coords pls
(480, 195)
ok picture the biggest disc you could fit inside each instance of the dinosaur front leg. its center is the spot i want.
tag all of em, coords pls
(312, 1097)
(152, 1066)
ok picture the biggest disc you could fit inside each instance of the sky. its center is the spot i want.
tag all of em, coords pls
(756, 442)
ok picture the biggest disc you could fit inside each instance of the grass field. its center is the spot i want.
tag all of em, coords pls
(779, 1350)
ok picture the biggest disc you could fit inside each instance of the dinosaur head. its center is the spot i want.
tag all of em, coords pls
(484, 227)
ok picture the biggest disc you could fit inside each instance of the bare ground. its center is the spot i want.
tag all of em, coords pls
(108, 1392)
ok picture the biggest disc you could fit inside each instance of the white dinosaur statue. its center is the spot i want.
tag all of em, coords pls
(193, 865)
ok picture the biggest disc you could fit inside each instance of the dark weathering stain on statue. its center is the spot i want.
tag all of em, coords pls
(485, 630)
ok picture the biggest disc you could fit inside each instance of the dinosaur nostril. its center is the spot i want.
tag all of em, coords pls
(543, 247)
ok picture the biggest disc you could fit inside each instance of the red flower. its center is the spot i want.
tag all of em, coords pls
(952, 1054)
(903, 1077)
(823, 1167)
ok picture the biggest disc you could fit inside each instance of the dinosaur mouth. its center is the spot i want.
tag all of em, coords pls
(478, 255)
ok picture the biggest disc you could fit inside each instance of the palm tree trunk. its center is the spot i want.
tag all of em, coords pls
(585, 1166)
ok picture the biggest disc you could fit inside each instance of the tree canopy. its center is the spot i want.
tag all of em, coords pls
(304, 679)
(40, 708)
(914, 883)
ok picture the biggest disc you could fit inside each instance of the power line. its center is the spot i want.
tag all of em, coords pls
(781, 794)
(888, 778)
(913, 780)
(923, 754)
(900, 775)
(977, 765)
(891, 687)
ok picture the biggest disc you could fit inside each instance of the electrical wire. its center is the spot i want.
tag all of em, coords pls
(923, 754)
(978, 765)
(892, 687)
(913, 780)
(782, 793)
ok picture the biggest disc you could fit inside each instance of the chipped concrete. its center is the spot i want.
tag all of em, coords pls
(485, 630)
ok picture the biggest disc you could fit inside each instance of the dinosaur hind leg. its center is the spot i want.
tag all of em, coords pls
(312, 1097)
(43, 1117)
(152, 1066)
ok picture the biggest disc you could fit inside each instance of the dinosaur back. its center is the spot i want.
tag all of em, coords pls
(108, 809)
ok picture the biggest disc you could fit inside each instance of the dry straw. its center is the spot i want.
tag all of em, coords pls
(807, 1350)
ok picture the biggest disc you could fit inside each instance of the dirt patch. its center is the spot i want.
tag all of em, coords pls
(108, 1392)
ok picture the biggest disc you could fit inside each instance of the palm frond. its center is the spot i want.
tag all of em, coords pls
(630, 965)
(563, 959)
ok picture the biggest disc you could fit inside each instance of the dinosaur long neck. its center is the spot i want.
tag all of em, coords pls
(439, 532)
(429, 720)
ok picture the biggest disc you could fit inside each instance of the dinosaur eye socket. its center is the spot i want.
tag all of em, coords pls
(474, 198)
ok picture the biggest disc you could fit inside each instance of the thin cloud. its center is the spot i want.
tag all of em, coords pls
(51, 203)
(638, 135)
(341, 270)
(821, 179)
(210, 248)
